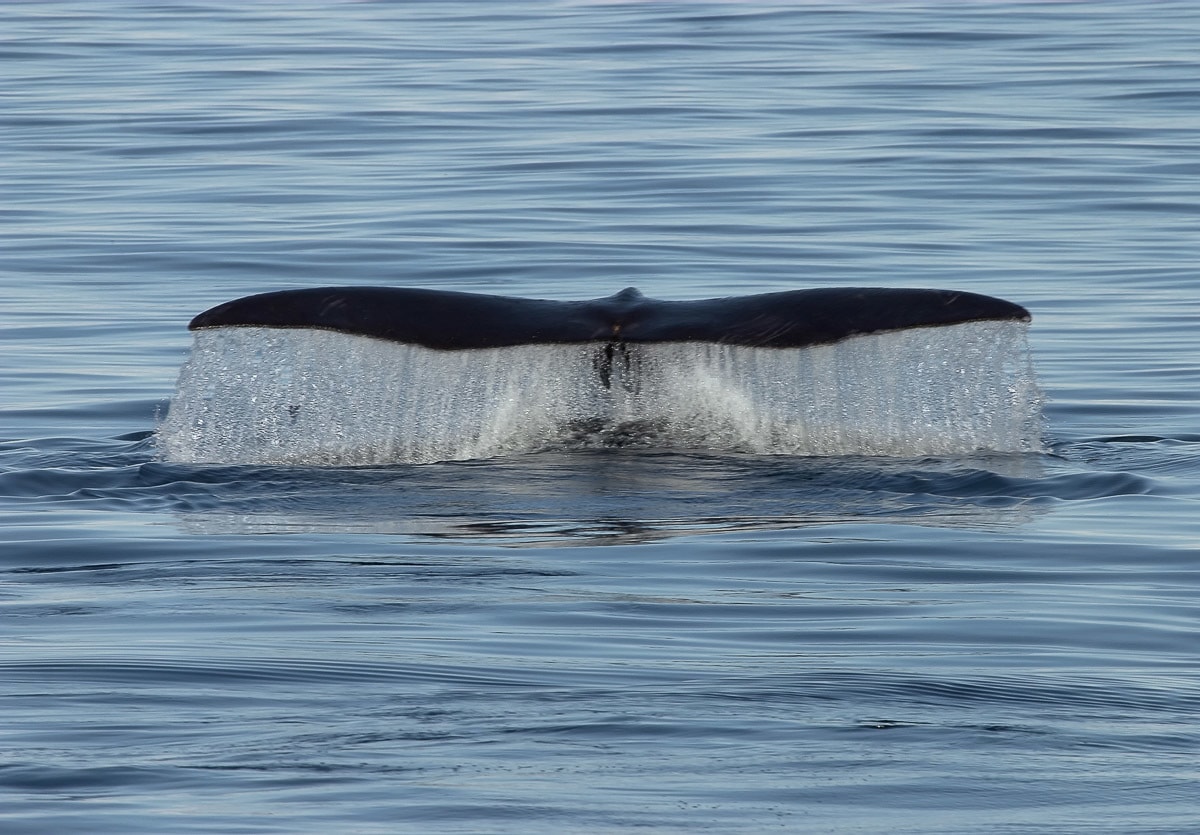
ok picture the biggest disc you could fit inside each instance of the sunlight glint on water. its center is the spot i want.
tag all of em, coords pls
(293, 396)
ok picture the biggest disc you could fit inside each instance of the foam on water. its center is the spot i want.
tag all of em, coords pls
(294, 396)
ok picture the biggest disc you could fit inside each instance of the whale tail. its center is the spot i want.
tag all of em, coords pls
(365, 375)
(448, 321)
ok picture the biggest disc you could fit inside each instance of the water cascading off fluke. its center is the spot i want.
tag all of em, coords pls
(272, 394)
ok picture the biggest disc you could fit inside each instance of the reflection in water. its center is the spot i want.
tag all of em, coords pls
(608, 496)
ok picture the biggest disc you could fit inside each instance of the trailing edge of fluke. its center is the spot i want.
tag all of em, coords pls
(451, 321)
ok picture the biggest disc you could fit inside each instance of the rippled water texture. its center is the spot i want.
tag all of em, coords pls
(605, 634)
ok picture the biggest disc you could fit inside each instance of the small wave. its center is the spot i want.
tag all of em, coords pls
(228, 672)
(623, 493)
(913, 690)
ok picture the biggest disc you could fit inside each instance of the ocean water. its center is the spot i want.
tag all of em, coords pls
(611, 637)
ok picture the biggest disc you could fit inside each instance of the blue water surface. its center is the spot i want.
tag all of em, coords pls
(599, 640)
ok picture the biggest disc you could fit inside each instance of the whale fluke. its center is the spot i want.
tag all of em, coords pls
(450, 321)
(372, 375)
